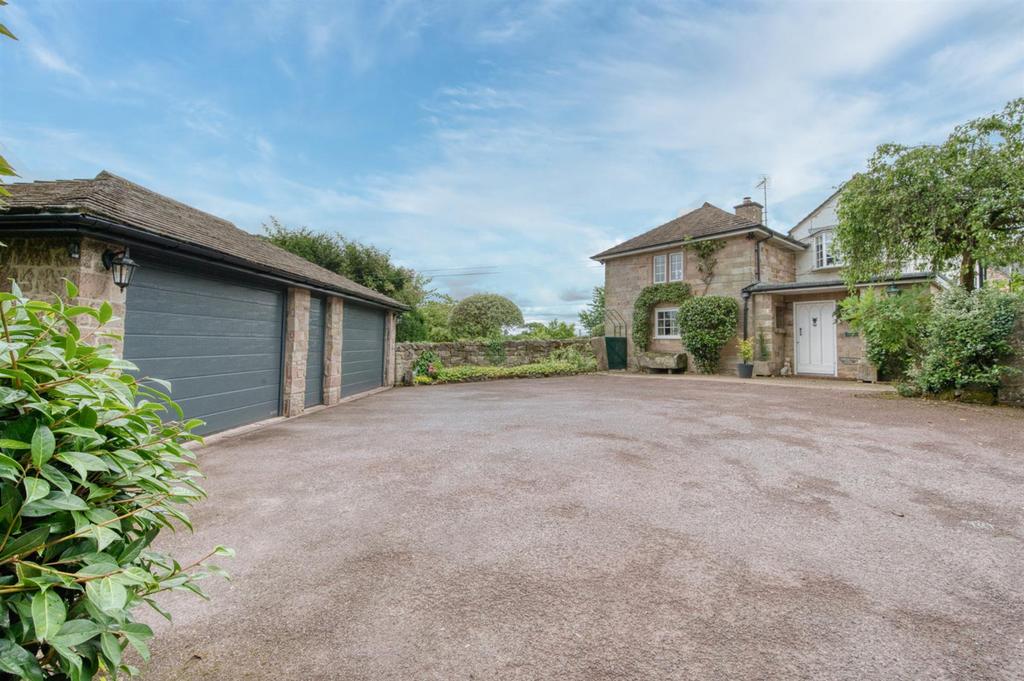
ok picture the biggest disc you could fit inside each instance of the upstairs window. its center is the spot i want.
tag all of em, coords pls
(675, 267)
(665, 323)
(659, 269)
(823, 256)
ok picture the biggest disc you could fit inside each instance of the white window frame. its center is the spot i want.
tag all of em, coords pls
(673, 260)
(657, 327)
(823, 256)
(663, 261)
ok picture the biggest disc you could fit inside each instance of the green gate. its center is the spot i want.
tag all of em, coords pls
(615, 344)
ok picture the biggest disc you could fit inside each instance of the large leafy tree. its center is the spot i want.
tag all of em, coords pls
(362, 263)
(953, 207)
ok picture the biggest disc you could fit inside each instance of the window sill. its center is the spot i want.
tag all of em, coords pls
(666, 337)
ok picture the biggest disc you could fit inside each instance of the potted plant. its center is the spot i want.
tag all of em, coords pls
(745, 369)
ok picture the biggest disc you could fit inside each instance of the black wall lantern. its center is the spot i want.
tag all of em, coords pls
(121, 266)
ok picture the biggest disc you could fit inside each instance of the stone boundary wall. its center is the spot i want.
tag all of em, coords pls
(474, 353)
(1011, 390)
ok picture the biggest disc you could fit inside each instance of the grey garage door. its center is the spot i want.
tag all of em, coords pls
(217, 340)
(362, 348)
(315, 353)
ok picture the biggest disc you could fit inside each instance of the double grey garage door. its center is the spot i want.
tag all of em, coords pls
(217, 340)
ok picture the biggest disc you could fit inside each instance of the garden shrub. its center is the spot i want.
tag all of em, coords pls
(893, 326)
(537, 370)
(706, 324)
(427, 364)
(675, 292)
(746, 349)
(89, 476)
(484, 315)
(495, 352)
(572, 355)
(968, 337)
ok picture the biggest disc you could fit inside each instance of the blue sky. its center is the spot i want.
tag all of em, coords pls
(494, 146)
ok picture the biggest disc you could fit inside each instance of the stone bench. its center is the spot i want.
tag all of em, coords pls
(662, 361)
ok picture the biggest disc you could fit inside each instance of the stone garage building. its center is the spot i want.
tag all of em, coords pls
(244, 330)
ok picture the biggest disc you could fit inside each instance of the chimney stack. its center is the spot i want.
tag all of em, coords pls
(750, 210)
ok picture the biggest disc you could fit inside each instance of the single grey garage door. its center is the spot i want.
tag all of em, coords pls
(315, 353)
(362, 348)
(217, 340)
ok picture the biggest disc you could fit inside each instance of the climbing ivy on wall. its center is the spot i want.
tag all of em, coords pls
(706, 252)
(675, 292)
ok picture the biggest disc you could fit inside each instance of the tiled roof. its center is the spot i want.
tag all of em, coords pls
(115, 198)
(708, 220)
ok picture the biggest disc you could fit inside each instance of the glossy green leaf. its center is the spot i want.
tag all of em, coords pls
(111, 648)
(76, 632)
(26, 542)
(48, 614)
(42, 445)
(16, 660)
(106, 594)
(35, 489)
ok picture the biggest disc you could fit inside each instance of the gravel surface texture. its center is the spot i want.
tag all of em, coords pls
(603, 527)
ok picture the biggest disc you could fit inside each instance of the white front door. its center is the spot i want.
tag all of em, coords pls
(815, 335)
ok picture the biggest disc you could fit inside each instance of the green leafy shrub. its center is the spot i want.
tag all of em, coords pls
(89, 475)
(495, 352)
(968, 338)
(484, 315)
(746, 348)
(478, 373)
(427, 364)
(675, 292)
(411, 328)
(893, 326)
(572, 355)
(706, 324)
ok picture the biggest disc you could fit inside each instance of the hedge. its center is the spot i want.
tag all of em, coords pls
(466, 374)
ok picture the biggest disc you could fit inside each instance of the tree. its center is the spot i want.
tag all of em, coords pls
(955, 206)
(592, 318)
(5, 168)
(484, 315)
(553, 330)
(362, 263)
(435, 312)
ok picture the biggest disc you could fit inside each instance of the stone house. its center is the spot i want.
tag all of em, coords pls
(243, 330)
(787, 286)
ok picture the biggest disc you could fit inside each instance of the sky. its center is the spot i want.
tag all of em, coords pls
(492, 146)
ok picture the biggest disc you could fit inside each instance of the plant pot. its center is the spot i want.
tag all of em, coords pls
(745, 370)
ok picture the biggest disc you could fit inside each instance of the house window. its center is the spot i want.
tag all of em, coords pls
(665, 323)
(823, 256)
(659, 269)
(675, 267)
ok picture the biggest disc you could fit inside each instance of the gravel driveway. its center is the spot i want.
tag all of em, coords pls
(605, 527)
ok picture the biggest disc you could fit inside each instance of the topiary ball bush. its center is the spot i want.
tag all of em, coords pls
(484, 315)
(706, 324)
